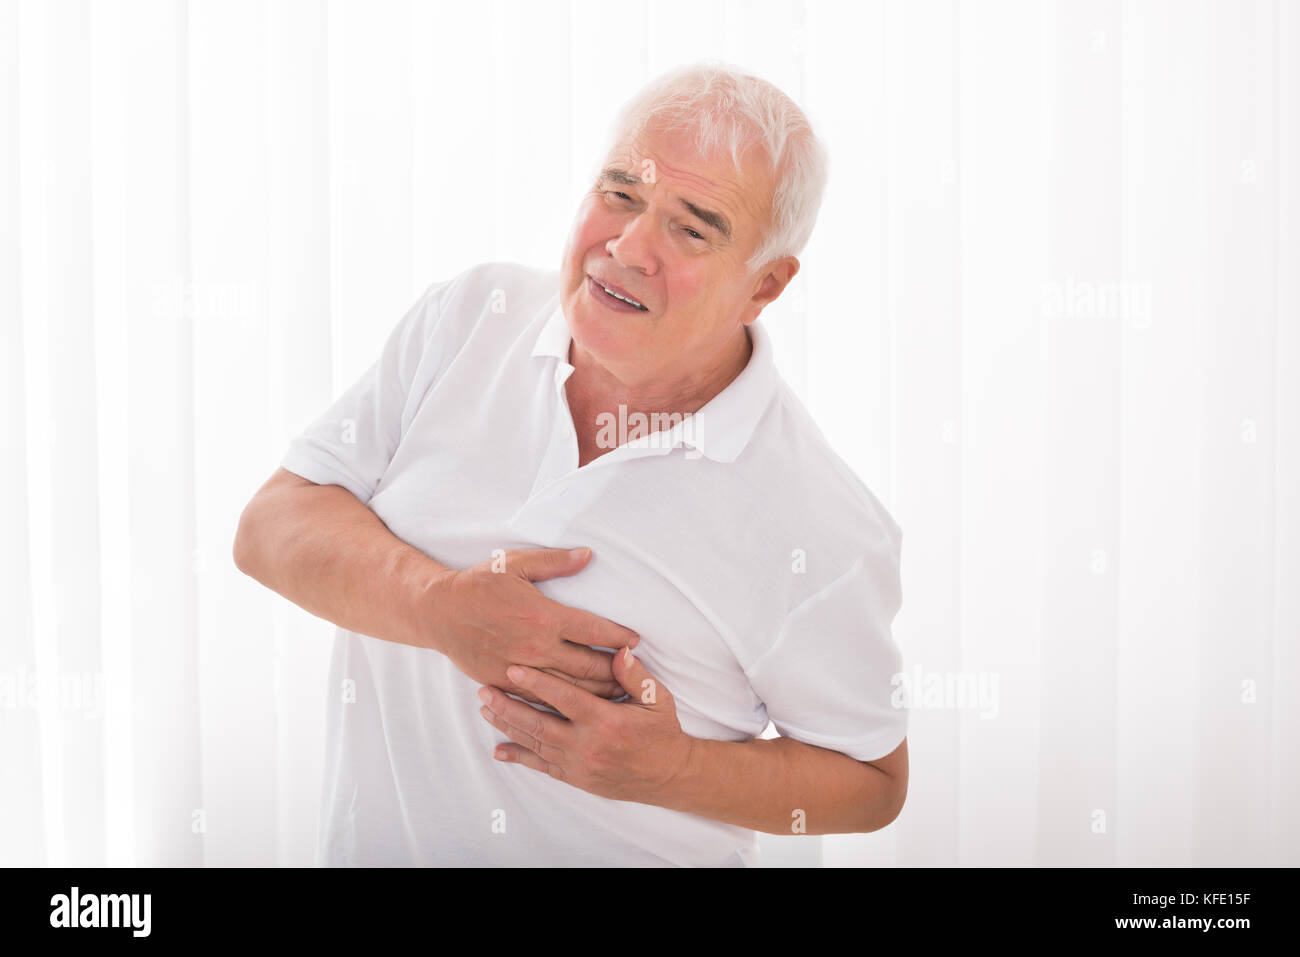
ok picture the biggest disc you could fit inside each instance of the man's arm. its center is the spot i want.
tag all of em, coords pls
(636, 750)
(783, 786)
(324, 550)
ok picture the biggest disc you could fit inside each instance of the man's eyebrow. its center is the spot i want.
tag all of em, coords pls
(618, 176)
(707, 216)
(715, 221)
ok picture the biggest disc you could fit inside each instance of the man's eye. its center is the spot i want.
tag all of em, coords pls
(621, 195)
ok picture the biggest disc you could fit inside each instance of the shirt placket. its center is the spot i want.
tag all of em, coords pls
(560, 462)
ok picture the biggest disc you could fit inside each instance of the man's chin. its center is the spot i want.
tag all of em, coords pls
(607, 336)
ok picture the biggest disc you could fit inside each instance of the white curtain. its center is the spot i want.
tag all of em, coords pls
(1050, 314)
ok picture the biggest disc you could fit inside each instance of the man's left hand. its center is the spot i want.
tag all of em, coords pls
(631, 750)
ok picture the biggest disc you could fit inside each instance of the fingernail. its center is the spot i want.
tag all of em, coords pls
(515, 673)
(484, 695)
(579, 552)
(627, 657)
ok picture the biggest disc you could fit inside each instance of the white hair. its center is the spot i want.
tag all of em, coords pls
(726, 108)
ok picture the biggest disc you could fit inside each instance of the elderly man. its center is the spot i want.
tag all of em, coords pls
(582, 542)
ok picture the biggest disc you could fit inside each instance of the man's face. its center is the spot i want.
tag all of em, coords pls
(672, 231)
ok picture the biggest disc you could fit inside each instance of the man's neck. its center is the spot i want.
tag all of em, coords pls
(593, 389)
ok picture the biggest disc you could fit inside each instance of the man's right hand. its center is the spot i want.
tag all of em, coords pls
(487, 620)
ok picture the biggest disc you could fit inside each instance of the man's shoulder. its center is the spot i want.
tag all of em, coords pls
(501, 296)
(488, 285)
(816, 478)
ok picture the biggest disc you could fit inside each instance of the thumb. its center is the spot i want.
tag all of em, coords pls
(540, 564)
(631, 674)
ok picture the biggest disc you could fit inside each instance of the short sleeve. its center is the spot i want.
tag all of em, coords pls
(829, 678)
(352, 443)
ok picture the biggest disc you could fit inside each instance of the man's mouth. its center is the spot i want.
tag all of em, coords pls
(614, 297)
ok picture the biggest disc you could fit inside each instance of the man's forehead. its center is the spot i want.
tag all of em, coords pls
(669, 158)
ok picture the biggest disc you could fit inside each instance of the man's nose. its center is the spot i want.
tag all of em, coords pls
(634, 246)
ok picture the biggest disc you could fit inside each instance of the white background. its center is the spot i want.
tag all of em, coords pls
(1050, 314)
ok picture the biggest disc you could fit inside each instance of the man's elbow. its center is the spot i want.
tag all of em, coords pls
(888, 798)
(900, 798)
(885, 811)
(248, 548)
(244, 550)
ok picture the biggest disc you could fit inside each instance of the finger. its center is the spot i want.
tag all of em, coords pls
(638, 682)
(540, 564)
(545, 729)
(511, 688)
(526, 695)
(568, 699)
(583, 628)
(514, 754)
(582, 662)
(543, 750)
(602, 689)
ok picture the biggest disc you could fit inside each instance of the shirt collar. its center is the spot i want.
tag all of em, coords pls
(724, 426)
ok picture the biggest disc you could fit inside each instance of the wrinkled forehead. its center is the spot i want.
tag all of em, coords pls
(678, 151)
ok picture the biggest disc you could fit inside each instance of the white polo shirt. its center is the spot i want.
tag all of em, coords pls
(759, 571)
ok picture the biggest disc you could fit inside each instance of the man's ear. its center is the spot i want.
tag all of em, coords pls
(775, 276)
